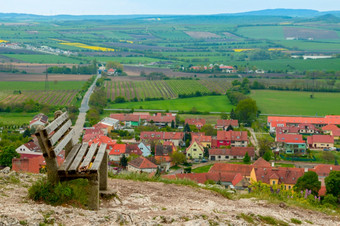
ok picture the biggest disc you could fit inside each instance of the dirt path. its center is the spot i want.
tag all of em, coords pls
(146, 203)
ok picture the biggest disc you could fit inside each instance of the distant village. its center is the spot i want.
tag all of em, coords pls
(154, 151)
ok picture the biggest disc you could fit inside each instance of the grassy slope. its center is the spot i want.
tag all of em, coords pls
(296, 103)
(44, 58)
(207, 103)
(60, 85)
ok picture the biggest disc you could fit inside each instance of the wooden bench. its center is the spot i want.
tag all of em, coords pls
(81, 160)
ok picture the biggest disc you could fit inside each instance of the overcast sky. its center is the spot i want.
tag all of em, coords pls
(119, 7)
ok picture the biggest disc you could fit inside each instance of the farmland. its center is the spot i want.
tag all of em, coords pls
(202, 104)
(296, 103)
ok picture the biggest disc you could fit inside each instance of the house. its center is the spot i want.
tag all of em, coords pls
(111, 71)
(303, 128)
(277, 175)
(232, 138)
(103, 139)
(35, 164)
(129, 120)
(229, 154)
(199, 122)
(323, 170)
(316, 121)
(274, 125)
(195, 151)
(117, 152)
(159, 119)
(205, 141)
(175, 137)
(223, 124)
(29, 150)
(132, 149)
(336, 134)
(291, 143)
(320, 141)
(163, 153)
(110, 123)
(329, 128)
(38, 120)
(227, 69)
(146, 149)
(141, 164)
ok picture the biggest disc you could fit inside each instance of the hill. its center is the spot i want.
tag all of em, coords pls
(146, 203)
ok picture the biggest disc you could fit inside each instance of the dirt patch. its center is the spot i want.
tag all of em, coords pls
(201, 34)
(146, 203)
(307, 33)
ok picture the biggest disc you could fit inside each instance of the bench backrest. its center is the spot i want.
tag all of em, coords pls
(56, 136)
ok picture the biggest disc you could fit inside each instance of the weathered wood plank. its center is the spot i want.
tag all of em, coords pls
(54, 139)
(89, 157)
(66, 164)
(76, 162)
(60, 146)
(56, 123)
(99, 158)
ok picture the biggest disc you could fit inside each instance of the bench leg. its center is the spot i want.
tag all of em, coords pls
(52, 170)
(93, 200)
(103, 174)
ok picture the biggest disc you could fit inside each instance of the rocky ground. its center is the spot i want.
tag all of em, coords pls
(146, 203)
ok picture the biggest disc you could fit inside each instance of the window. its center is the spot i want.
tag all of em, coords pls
(289, 187)
(274, 181)
(194, 149)
(219, 156)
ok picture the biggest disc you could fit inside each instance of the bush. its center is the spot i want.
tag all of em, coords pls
(70, 192)
(330, 199)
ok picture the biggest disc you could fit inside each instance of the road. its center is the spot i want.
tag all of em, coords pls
(78, 127)
(253, 139)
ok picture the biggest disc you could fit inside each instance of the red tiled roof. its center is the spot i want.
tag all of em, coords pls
(32, 146)
(327, 120)
(320, 139)
(233, 168)
(126, 117)
(133, 149)
(261, 163)
(330, 128)
(149, 135)
(162, 118)
(234, 151)
(93, 131)
(336, 133)
(142, 163)
(201, 178)
(278, 124)
(285, 175)
(226, 123)
(201, 139)
(195, 122)
(323, 170)
(289, 138)
(232, 135)
(118, 149)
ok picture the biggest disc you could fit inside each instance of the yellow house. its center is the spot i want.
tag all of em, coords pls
(276, 176)
(195, 150)
(320, 141)
(205, 141)
(336, 134)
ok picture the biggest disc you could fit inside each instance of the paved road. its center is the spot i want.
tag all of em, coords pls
(78, 127)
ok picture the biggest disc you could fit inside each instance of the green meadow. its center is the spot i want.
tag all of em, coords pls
(59, 85)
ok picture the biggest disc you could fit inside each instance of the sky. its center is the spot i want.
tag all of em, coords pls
(124, 7)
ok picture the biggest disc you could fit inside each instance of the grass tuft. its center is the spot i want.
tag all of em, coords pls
(295, 221)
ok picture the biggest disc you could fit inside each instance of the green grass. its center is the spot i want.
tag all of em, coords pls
(285, 165)
(202, 104)
(202, 169)
(36, 58)
(265, 32)
(59, 85)
(272, 221)
(19, 119)
(296, 103)
(326, 157)
(295, 221)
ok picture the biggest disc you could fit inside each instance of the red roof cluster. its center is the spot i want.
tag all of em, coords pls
(118, 149)
(327, 120)
(150, 135)
(126, 117)
(330, 128)
(282, 174)
(103, 139)
(232, 135)
(196, 122)
(323, 170)
(133, 149)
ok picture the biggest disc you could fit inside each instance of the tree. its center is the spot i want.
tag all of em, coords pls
(267, 156)
(178, 158)
(187, 128)
(209, 130)
(224, 115)
(246, 111)
(264, 144)
(172, 124)
(232, 114)
(308, 181)
(27, 133)
(6, 156)
(206, 152)
(123, 161)
(230, 128)
(115, 65)
(246, 158)
(333, 183)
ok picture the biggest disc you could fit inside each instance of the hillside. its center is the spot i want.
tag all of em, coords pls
(145, 203)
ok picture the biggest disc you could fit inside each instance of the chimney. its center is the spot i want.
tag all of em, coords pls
(273, 164)
(331, 168)
(306, 170)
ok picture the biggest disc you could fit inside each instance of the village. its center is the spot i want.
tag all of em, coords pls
(161, 143)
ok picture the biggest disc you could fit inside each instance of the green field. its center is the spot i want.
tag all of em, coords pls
(37, 58)
(296, 103)
(60, 85)
(19, 119)
(202, 104)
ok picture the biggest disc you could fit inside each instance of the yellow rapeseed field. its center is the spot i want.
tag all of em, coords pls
(3, 41)
(81, 45)
(276, 49)
(127, 41)
(242, 50)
